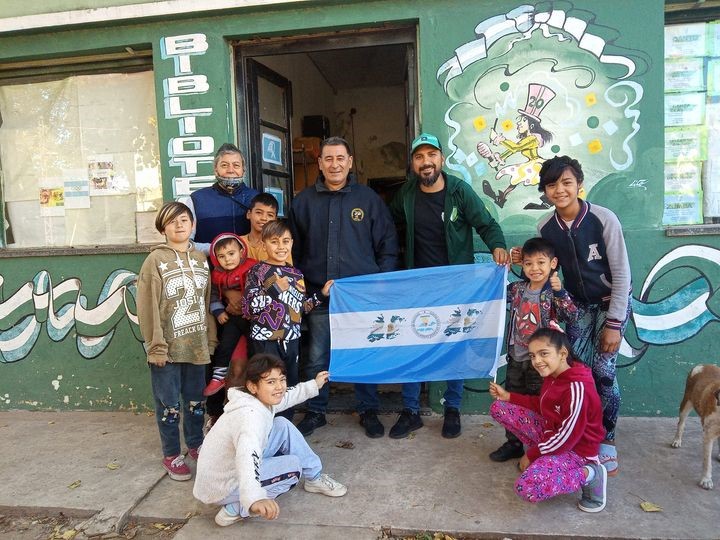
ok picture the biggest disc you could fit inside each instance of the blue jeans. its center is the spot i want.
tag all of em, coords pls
(169, 383)
(452, 396)
(318, 359)
(286, 457)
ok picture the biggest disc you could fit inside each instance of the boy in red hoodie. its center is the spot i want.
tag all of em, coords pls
(562, 428)
(228, 254)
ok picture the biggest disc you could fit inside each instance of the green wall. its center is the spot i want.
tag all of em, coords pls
(651, 381)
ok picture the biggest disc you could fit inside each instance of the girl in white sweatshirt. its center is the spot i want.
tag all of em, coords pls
(250, 456)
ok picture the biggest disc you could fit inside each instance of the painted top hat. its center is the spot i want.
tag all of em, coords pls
(539, 96)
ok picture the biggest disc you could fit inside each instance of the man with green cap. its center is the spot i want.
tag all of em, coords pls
(439, 212)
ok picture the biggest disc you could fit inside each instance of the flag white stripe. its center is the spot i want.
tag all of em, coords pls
(577, 394)
(352, 330)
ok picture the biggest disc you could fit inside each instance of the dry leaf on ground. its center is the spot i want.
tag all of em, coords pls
(650, 507)
(345, 444)
(75, 484)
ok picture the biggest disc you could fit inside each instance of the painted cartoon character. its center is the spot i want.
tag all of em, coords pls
(531, 137)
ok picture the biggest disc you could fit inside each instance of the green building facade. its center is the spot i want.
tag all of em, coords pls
(152, 94)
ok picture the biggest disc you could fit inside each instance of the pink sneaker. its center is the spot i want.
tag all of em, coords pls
(193, 453)
(213, 387)
(176, 468)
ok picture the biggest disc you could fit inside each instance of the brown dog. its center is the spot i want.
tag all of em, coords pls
(702, 392)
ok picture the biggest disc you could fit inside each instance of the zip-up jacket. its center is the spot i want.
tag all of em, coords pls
(555, 307)
(593, 258)
(173, 296)
(571, 411)
(464, 211)
(337, 234)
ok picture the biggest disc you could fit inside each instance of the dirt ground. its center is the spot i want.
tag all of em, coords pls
(62, 527)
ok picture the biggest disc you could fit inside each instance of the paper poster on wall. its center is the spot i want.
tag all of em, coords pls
(103, 177)
(683, 177)
(711, 188)
(684, 109)
(685, 40)
(280, 196)
(77, 188)
(683, 209)
(713, 77)
(684, 75)
(271, 149)
(713, 39)
(51, 196)
(686, 144)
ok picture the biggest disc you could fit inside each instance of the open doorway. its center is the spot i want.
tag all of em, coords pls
(294, 91)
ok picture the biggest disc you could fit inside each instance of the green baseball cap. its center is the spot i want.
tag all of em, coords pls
(425, 138)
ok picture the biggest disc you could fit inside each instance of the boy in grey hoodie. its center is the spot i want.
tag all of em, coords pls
(173, 298)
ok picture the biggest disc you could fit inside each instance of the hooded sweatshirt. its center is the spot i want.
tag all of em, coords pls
(222, 279)
(232, 450)
(173, 295)
(572, 414)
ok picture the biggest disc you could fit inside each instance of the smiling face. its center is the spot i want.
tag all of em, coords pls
(259, 215)
(178, 230)
(271, 387)
(538, 267)
(335, 164)
(230, 165)
(278, 248)
(547, 360)
(427, 164)
(563, 193)
(229, 256)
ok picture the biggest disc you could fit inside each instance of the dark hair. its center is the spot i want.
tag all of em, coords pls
(553, 168)
(224, 242)
(168, 212)
(264, 198)
(260, 364)
(557, 338)
(227, 148)
(538, 245)
(335, 141)
(535, 127)
(275, 228)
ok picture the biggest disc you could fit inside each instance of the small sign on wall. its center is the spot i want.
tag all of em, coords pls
(271, 149)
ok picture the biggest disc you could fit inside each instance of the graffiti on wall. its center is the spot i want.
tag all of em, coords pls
(533, 83)
(189, 148)
(62, 308)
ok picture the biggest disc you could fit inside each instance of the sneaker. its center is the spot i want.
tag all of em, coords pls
(193, 453)
(609, 458)
(227, 516)
(311, 422)
(325, 485)
(509, 450)
(451, 425)
(408, 421)
(176, 468)
(594, 492)
(213, 387)
(373, 427)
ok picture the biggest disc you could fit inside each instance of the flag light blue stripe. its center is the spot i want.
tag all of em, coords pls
(417, 288)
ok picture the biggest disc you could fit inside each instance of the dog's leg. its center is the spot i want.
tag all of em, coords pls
(685, 408)
(709, 436)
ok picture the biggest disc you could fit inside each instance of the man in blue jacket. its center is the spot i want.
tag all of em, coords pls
(340, 228)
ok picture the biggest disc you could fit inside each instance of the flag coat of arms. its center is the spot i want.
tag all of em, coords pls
(428, 324)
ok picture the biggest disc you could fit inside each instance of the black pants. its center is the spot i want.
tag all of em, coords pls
(228, 336)
(521, 378)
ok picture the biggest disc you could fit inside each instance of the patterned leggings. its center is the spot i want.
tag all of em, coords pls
(584, 336)
(547, 476)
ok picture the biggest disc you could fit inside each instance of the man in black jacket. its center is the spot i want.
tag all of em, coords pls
(340, 229)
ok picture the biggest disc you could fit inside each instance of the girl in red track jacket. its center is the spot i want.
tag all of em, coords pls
(561, 428)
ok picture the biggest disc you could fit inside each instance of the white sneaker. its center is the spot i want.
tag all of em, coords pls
(225, 518)
(325, 485)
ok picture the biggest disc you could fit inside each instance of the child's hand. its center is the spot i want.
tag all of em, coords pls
(234, 299)
(498, 392)
(266, 508)
(223, 317)
(555, 282)
(516, 255)
(326, 287)
(321, 378)
(283, 283)
(524, 463)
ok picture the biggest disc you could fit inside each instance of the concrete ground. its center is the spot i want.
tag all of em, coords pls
(106, 467)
